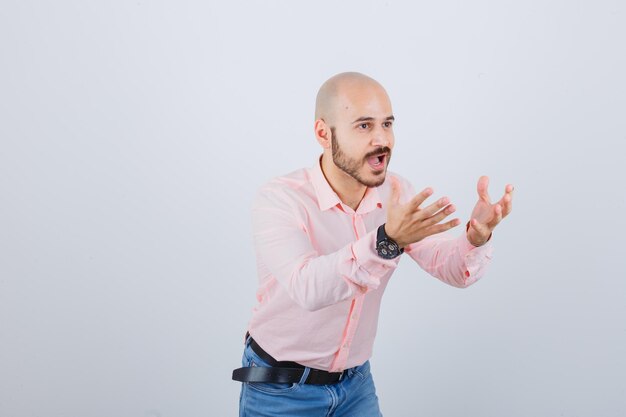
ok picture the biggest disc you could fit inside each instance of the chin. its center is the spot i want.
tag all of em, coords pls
(376, 180)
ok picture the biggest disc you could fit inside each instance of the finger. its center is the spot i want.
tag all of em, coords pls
(439, 216)
(508, 191)
(507, 204)
(496, 218)
(428, 211)
(441, 227)
(419, 198)
(481, 229)
(394, 198)
(483, 185)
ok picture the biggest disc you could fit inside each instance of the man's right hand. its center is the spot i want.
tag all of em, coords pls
(408, 223)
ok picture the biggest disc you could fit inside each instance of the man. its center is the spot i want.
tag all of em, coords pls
(327, 240)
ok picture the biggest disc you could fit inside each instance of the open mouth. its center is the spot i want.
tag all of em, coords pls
(378, 161)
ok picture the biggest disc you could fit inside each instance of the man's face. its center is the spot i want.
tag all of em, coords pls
(369, 170)
(362, 138)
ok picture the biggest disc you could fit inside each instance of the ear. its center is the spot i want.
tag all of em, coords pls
(322, 133)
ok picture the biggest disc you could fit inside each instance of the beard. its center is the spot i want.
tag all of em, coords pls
(351, 166)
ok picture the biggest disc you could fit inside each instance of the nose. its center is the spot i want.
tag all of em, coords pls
(381, 138)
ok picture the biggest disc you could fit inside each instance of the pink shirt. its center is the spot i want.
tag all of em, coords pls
(320, 278)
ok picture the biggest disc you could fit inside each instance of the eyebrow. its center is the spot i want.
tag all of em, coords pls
(369, 119)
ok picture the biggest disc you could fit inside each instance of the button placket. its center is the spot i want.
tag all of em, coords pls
(355, 313)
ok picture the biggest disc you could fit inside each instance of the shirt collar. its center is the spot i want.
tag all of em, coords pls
(327, 198)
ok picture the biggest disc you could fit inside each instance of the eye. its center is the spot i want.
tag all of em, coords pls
(364, 126)
(387, 124)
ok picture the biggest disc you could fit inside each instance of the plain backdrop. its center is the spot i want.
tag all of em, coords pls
(134, 135)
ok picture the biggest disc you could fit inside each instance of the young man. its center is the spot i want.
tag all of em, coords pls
(327, 240)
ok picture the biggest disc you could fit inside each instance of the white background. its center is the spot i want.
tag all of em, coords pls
(134, 134)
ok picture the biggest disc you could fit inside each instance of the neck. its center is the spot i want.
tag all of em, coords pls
(349, 190)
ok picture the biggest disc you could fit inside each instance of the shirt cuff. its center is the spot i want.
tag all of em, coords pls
(476, 258)
(367, 260)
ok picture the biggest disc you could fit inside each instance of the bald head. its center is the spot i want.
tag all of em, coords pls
(339, 90)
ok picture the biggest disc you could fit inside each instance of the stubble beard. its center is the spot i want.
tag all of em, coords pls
(351, 166)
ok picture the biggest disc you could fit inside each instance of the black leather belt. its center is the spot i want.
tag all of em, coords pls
(284, 372)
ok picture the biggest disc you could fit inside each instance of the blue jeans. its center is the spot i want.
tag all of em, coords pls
(353, 396)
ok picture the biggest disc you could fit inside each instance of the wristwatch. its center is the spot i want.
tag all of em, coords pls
(386, 247)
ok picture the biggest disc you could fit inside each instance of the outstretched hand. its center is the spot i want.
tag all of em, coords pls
(409, 223)
(486, 216)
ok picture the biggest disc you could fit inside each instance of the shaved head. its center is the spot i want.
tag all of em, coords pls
(338, 91)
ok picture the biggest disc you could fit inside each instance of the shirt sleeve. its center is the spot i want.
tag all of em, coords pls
(312, 280)
(454, 261)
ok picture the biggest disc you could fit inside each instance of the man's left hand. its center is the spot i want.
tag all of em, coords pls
(486, 216)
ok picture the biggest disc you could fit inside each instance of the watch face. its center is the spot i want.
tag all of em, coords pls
(387, 249)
